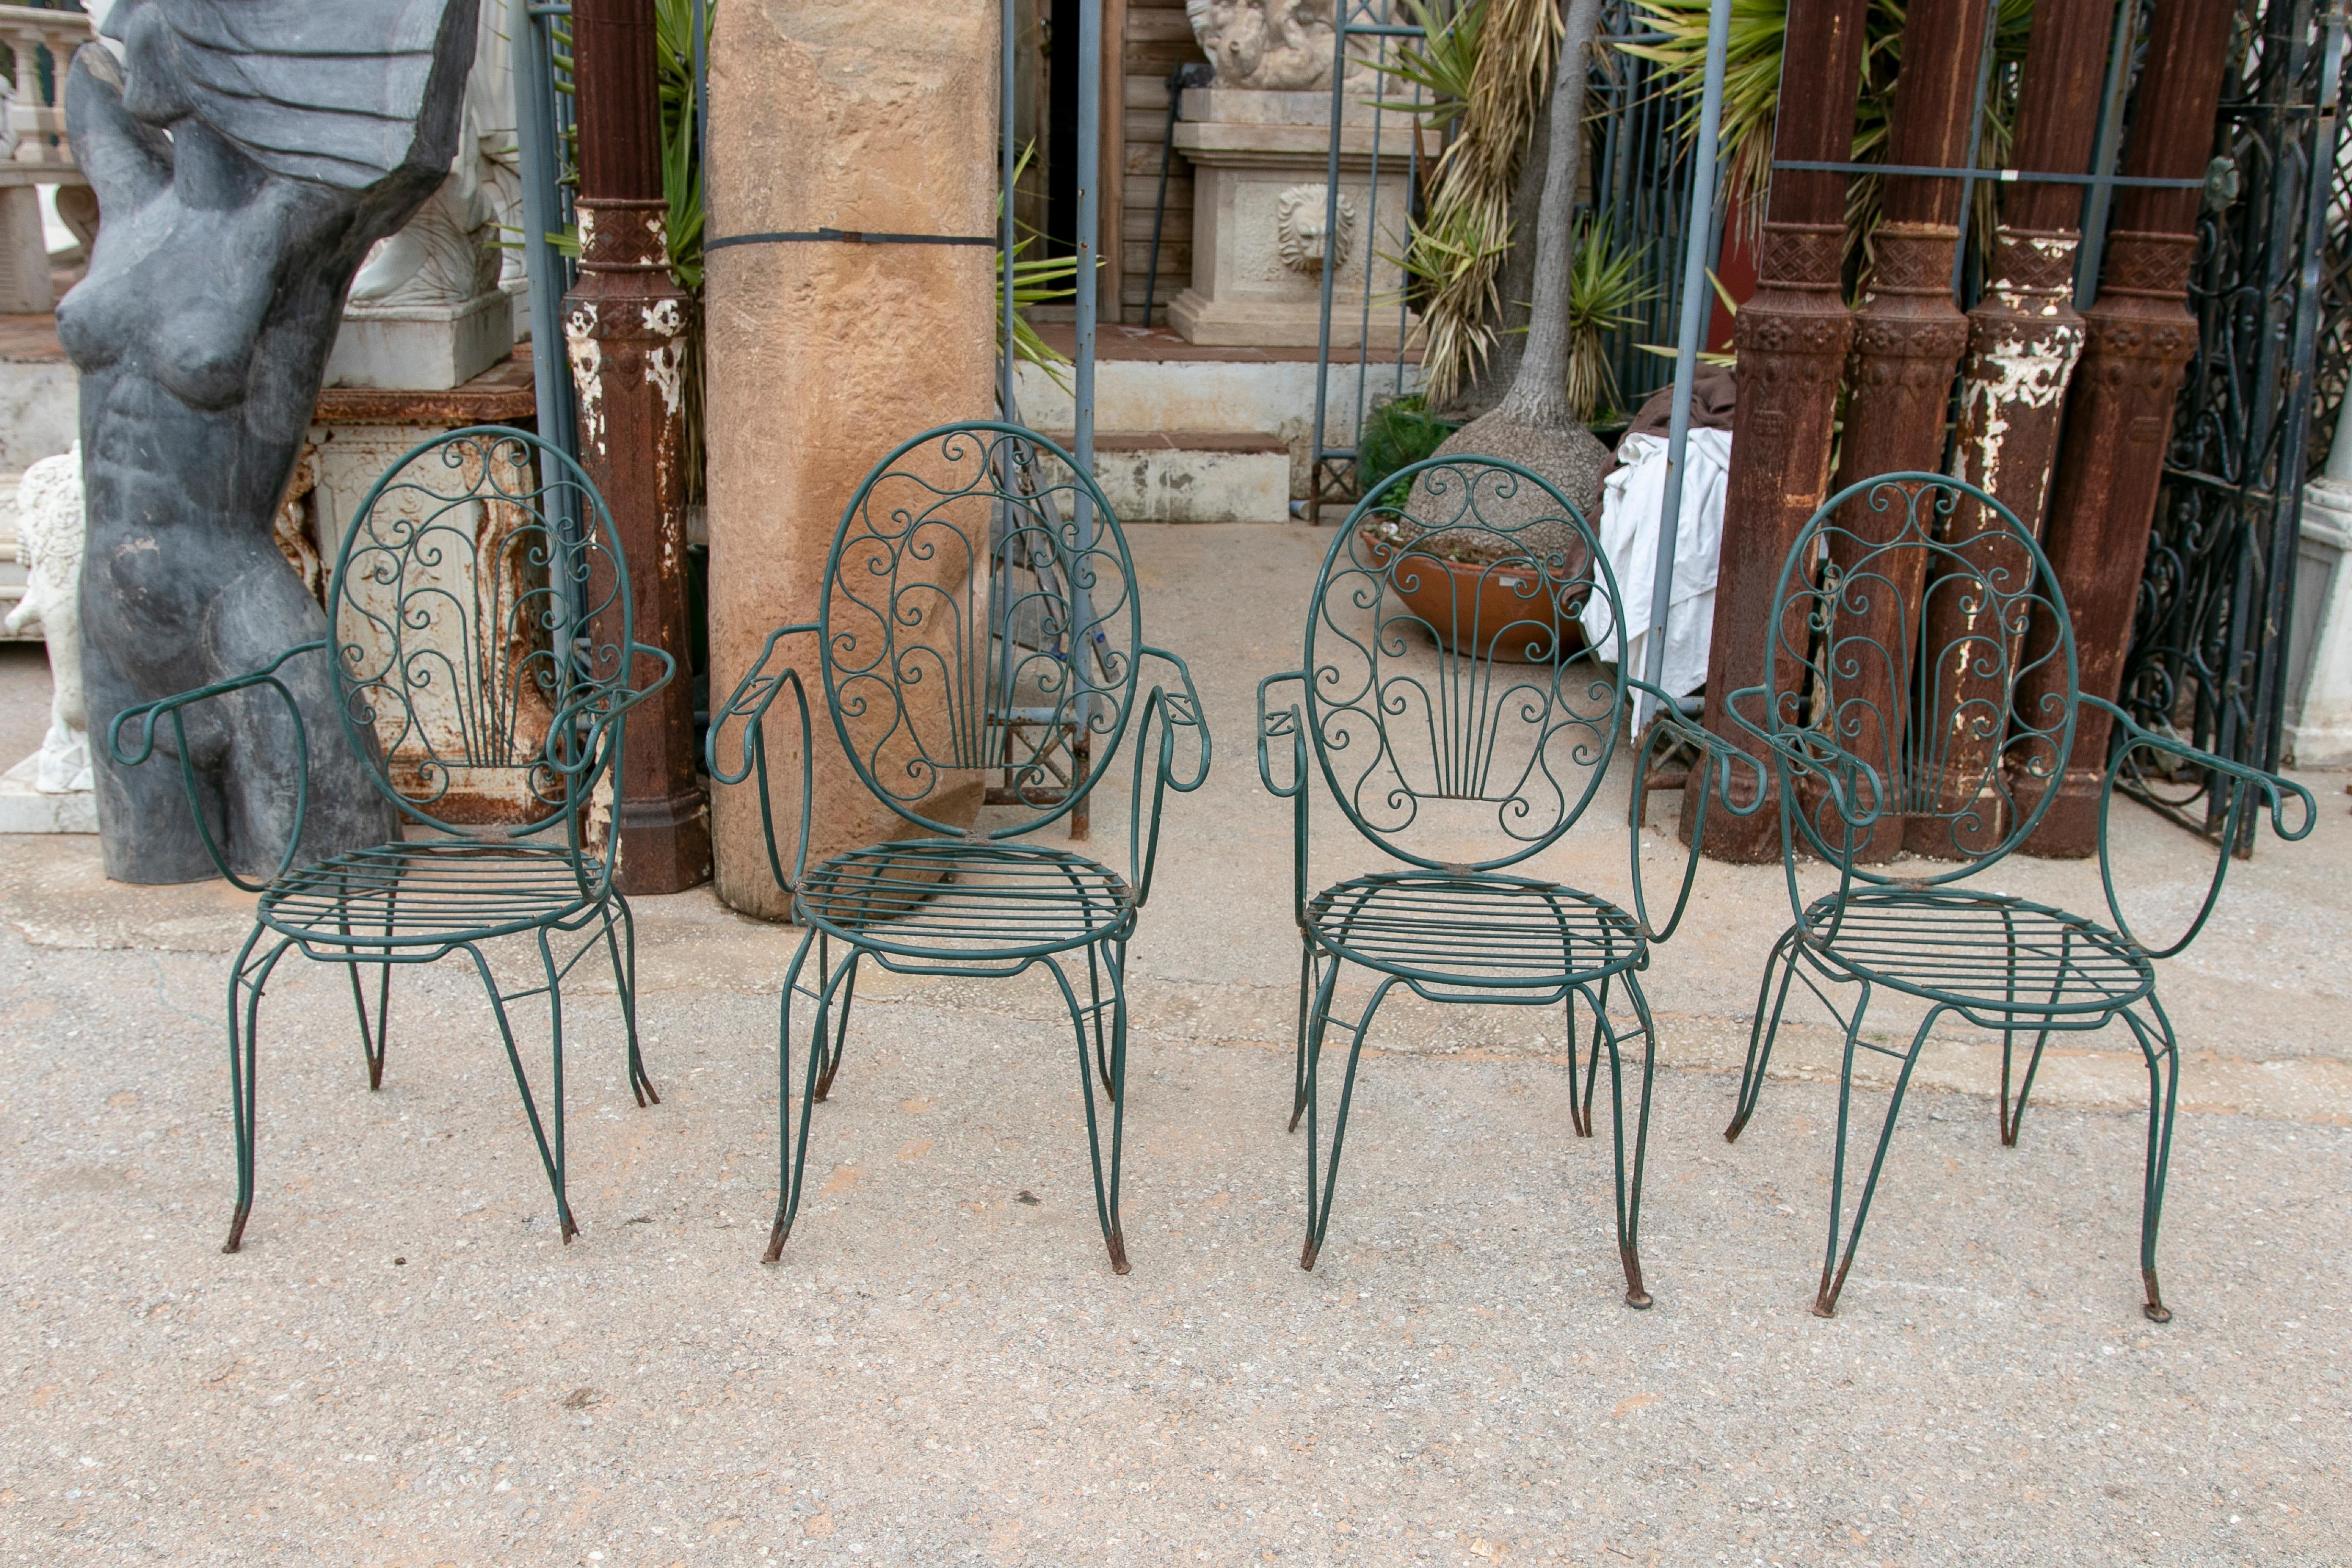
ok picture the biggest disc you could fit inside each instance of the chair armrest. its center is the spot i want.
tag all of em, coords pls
(1175, 711)
(2247, 785)
(1855, 787)
(750, 702)
(1717, 756)
(1278, 725)
(172, 706)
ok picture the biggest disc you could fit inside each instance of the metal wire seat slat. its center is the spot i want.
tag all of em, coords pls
(1921, 697)
(979, 623)
(481, 661)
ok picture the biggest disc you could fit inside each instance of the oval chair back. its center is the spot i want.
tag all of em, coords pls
(1920, 679)
(1445, 661)
(482, 635)
(978, 622)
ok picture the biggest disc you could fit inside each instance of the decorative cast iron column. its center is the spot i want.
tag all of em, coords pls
(2024, 335)
(1909, 335)
(1792, 339)
(625, 325)
(2140, 338)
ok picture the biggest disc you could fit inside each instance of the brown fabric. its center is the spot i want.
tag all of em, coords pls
(1712, 392)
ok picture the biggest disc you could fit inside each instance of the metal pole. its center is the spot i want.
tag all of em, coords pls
(1696, 300)
(1330, 226)
(2098, 197)
(1004, 238)
(542, 263)
(1087, 636)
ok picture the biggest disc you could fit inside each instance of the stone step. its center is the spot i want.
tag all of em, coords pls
(1191, 475)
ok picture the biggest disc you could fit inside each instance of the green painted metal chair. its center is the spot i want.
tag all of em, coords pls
(980, 620)
(1920, 689)
(481, 644)
(1427, 680)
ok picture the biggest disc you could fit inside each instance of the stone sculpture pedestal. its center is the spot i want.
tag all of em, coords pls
(1259, 161)
(421, 347)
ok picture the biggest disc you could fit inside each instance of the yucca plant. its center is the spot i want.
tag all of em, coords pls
(1443, 63)
(1036, 281)
(1606, 291)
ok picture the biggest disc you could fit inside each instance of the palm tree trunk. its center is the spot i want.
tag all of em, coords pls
(1539, 394)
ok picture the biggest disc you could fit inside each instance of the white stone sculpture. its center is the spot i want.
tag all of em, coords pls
(1281, 44)
(49, 529)
(428, 308)
(1298, 218)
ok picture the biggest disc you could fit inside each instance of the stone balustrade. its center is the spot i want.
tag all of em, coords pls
(38, 119)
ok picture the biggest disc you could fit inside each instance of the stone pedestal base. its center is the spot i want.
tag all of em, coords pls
(2319, 689)
(25, 809)
(23, 254)
(1261, 162)
(422, 348)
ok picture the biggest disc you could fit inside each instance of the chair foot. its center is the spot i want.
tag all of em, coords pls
(1306, 1254)
(1825, 1301)
(237, 1230)
(1294, 1116)
(1635, 1296)
(1738, 1124)
(571, 1229)
(2157, 1313)
(1118, 1245)
(782, 1228)
(375, 1076)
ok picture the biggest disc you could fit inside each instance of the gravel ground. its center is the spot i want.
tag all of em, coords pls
(404, 1366)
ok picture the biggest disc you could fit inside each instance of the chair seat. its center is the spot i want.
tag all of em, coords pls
(1474, 927)
(1978, 951)
(953, 898)
(429, 894)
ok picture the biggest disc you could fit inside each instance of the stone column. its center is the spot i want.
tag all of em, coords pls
(2320, 697)
(1792, 339)
(2023, 337)
(624, 327)
(878, 116)
(2139, 341)
(1909, 335)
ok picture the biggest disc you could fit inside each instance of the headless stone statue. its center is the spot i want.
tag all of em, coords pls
(300, 133)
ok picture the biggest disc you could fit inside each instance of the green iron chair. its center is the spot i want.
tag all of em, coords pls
(481, 645)
(979, 621)
(1427, 680)
(1920, 692)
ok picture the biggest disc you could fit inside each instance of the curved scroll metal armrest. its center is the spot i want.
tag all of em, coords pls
(1273, 726)
(172, 706)
(1175, 711)
(750, 702)
(1717, 757)
(1850, 781)
(2247, 785)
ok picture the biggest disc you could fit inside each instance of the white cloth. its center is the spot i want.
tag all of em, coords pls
(1631, 498)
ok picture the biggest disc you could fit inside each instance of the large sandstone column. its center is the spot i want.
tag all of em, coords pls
(858, 115)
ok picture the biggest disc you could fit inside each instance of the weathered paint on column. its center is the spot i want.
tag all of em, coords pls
(1792, 338)
(2140, 337)
(2024, 336)
(1908, 338)
(625, 330)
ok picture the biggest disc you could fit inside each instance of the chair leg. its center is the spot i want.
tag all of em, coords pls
(1309, 986)
(1629, 1189)
(1833, 1266)
(1319, 1213)
(2011, 1116)
(792, 1154)
(2162, 1050)
(830, 1052)
(1115, 1075)
(243, 1089)
(1580, 1113)
(372, 1041)
(1761, 1033)
(550, 1156)
(624, 981)
(1094, 996)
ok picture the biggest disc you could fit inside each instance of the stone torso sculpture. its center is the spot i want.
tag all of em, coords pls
(300, 133)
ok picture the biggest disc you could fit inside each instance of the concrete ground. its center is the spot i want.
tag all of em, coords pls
(405, 1365)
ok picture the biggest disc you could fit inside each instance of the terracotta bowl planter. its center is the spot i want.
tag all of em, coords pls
(1497, 612)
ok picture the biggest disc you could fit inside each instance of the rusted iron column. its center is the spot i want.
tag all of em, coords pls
(1909, 335)
(625, 325)
(1792, 338)
(2023, 337)
(2140, 337)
